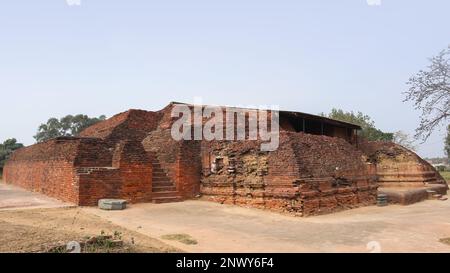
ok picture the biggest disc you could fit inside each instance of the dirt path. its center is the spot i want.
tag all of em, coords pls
(13, 197)
(222, 228)
(31, 230)
(227, 228)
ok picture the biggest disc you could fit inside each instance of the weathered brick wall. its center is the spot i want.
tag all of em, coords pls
(136, 127)
(46, 168)
(188, 169)
(105, 128)
(165, 148)
(334, 174)
(307, 175)
(93, 152)
(128, 176)
(98, 183)
(230, 176)
(135, 172)
(398, 166)
(180, 160)
(129, 125)
(83, 170)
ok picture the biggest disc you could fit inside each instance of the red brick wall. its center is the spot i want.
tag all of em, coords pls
(98, 183)
(180, 159)
(93, 152)
(161, 144)
(82, 171)
(308, 174)
(129, 125)
(135, 172)
(105, 128)
(46, 168)
(398, 166)
(189, 169)
(129, 178)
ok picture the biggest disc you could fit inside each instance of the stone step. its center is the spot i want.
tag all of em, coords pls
(161, 179)
(160, 200)
(165, 194)
(162, 183)
(164, 189)
(160, 175)
(437, 196)
(112, 204)
(159, 172)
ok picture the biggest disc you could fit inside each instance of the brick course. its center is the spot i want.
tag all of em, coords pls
(132, 156)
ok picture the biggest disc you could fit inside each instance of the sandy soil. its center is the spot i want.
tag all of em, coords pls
(30, 221)
(33, 230)
(13, 197)
(228, 228)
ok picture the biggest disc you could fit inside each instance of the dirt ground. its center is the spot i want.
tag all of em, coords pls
(227, 228)
(29, 222)
(33, 222)
(34, 230)
(12, 197)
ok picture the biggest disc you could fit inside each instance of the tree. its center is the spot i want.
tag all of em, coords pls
(430, 91)
(6, 149)
(369, 131)
(404, 140)
(66, 126)
(447, 143)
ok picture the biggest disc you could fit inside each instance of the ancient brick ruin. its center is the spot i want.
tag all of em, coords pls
(402, 174)
(320, 166)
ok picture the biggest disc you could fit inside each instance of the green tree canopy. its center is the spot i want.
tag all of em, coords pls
(6, 149)
(369, 131)
(66, 126)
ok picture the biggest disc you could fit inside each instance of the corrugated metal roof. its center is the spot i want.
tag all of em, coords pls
(290, 113)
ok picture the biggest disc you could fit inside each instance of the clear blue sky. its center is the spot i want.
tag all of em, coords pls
(105, 56)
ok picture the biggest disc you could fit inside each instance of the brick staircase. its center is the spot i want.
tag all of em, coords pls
(163, 188)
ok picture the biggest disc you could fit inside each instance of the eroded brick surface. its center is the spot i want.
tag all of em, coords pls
(318, 167)
(398, 166)
(307, 175)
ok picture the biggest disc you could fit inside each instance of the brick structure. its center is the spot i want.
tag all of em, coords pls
(308, 174)
(402, 174)
(319, 167)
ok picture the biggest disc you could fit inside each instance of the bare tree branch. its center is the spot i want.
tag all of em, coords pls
(430, 91)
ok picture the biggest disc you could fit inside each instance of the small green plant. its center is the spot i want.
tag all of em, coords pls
(182, 238)
(117, 235)
(446, 175)
(445, 241)
(103, 243)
